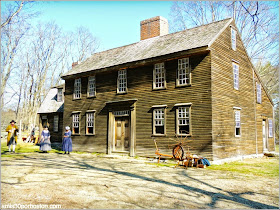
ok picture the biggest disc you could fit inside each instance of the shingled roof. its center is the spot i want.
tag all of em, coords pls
(50, 104)
(153, 47)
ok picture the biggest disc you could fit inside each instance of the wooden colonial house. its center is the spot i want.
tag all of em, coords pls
(51, 113)
(198, 83)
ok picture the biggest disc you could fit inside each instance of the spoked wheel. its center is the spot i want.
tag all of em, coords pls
(178, 152)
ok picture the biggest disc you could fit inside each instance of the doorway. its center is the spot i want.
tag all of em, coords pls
(122, 134)
(264, 131)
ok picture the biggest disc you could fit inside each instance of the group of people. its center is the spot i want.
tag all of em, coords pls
(45, 140)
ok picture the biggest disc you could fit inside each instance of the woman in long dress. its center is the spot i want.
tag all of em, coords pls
(67, 141)
(45, 143)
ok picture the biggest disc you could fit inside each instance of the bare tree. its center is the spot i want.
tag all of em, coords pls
(256, 22)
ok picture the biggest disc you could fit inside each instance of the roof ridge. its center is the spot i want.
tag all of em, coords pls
(156, 37)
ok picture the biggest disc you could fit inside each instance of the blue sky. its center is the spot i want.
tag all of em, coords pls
(114, 23)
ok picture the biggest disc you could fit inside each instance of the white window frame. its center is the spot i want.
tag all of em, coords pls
(270, 128)
(59, 95)
(122, 81)
(75, 122)
(235, 68)
(183, 72)
(55, 123)
(259, 93)
(237, 122)
(90, 122)
(91, 91)
(159, 119)
(183, 118)
(77, 88)
(233, 39)
(159, 81)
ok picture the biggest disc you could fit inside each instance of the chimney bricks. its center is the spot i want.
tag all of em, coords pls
(156, 26)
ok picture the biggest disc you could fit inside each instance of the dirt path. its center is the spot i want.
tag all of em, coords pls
(87, 181)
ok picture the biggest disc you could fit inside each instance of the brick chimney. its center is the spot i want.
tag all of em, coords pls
(156, 26)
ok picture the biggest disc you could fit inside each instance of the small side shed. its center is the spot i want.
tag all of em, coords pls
(51, 113)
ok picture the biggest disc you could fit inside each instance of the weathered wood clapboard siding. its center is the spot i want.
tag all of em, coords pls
(225, 97)
(140, 84)
(263, 112)
(55, 136)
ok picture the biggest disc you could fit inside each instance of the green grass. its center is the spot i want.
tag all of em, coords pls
(265, 167)
(22, 148)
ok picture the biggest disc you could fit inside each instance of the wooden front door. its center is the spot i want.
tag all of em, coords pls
(122, 134)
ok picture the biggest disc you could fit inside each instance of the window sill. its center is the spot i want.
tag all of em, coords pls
(158, 135)
(91, 96)
(237, 136)
(156, 89)
(180, 135)
(180, 86)
(121, 93)
(74, 99)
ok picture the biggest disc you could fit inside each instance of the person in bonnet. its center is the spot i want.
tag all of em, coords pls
(45, 143)
(12, 130)
(67, 141)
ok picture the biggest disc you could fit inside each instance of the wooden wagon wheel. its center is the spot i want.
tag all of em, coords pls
(178, 152)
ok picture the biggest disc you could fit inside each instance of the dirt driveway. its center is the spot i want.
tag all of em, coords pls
(88, 181)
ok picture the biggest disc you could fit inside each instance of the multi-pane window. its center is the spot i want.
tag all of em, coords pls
(259, 93)
(159, 76)
(76, 123)
(91, 87)
(90, 123)
(183, 73)
(159, 121)
(183, 120)
(237, 123)
(235, 76)
(59, 95)
(270, 128)
(122, 81)
(77, 88)
(233, 39)
(55, 123)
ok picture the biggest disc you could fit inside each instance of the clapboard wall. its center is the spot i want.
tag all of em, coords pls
(140, 87)
(225, 99)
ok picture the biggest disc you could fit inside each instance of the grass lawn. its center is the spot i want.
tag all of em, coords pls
(21, 148)
(265, 167)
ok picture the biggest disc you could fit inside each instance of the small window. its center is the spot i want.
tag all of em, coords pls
(159, 124)
(183, 121)
(55, 123)
(122, 81)
(235, 76)
(59, 95)
(233, 39)
(76, 123)
(183, 73)
(159, 76)
(237, 123)
(90, 123)
(259, 93)
(270, 128)
(77, 88)
(91, 87)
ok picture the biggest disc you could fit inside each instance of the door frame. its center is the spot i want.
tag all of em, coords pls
(265, 140)
(132, 124)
